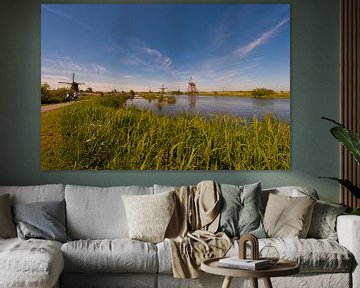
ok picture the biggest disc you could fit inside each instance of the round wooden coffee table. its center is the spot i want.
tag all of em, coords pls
(281, 268)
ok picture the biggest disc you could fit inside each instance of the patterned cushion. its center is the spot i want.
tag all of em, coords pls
(323, 223)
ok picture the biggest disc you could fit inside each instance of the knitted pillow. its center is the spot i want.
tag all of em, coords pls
(149, 215)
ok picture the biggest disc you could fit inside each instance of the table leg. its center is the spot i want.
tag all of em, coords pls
(254, 282)
(267, 283)
(227, 282)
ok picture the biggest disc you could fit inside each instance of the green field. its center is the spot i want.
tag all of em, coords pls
(102, 133)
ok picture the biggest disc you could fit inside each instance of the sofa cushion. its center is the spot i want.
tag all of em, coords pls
(30, 263)
(7, 226)
(323, 222)
(313, 255)
(240, 210)
(43, 220)
(287, 216)
(98, 213)
(149, 215)
(36, 193)
(117, 255)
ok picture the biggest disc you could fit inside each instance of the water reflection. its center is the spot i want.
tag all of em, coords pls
(207, 105)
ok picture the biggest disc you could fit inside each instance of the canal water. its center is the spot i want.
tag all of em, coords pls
(246, 107)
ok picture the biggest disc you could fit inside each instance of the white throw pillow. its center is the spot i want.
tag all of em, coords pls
(149, 215)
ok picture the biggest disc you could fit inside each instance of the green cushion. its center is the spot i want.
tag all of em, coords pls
(240, 213)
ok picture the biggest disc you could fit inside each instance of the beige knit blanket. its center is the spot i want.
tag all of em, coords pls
(191, 231)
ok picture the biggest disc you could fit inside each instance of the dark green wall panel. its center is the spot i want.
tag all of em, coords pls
(314, 85)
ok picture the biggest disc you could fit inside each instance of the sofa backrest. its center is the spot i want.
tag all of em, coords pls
(98, 212)
(36, 193)
(163, 188)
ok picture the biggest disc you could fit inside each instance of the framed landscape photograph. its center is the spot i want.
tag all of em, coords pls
(165, 87)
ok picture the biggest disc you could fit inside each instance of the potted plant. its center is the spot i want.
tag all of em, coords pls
(351, 141)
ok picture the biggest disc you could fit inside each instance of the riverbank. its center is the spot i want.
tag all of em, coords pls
(105, 134)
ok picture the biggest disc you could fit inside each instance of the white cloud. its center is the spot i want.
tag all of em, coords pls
(99, 68)
(261, 40)
(157, 57)
(222, 32)
(138, 53)
(64, 63)
(54, 70)
(71, 65)
(51, 9)
(56, 77)
(239, 53)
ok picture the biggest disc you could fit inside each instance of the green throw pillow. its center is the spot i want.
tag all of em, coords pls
(240, 213)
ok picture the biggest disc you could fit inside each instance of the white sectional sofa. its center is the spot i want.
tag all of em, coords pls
(102, 255)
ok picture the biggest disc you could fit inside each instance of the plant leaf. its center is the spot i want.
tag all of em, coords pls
(347, 184)
(333, 121)
(349, 139)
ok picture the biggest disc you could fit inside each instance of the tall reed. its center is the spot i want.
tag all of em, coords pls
(99, 135)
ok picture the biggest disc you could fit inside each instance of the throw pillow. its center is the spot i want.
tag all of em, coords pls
(149, 215)
(7, 227)
(240, 213)
(288, 217)
(323, 222)
(43, 220)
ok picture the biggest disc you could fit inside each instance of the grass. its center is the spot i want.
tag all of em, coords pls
(96, 134)
(51, 158)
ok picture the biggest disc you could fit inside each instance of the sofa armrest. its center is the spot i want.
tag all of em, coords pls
(348, 230)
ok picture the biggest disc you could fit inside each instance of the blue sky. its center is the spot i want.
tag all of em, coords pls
(142, 46)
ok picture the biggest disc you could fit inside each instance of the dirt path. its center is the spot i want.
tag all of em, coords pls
(54, 106)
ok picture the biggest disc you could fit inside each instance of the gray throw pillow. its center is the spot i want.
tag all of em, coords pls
(323, 222)
(7, 226)
(44, 220)
(240, 213)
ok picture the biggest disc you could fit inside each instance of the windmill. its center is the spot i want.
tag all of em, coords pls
(74, 87)
(163, 89)
(192, 86)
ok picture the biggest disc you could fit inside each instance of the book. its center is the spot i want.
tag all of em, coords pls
(236, 262)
